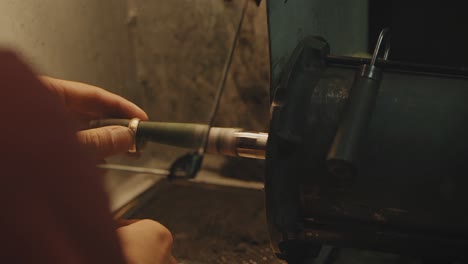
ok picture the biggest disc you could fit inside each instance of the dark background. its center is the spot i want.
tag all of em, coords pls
(422, 32)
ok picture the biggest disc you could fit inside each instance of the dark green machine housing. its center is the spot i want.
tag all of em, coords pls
(409, 195)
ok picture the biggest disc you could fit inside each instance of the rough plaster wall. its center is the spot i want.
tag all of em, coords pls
(83, 40)
(181, 48)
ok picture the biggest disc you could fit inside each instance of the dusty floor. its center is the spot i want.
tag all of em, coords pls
(211, 224)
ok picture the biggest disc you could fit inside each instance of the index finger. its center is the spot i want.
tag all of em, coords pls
(88, 99)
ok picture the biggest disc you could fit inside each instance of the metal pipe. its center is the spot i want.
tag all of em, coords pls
(232, 142)
(251, 144)
(343, 155)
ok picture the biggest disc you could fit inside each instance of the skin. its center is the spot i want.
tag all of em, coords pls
(142, 241)
(146, 241)
(85, 103)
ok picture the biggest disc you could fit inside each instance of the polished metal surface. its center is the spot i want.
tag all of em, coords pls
(251, 144)
(237, 143)
(222, 141)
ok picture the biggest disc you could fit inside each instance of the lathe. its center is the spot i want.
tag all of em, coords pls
(363, 151)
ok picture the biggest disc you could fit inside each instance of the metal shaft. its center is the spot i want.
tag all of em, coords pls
(224, 141)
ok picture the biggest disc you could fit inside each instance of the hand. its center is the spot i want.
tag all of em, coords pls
(146, 242)
(85, 103)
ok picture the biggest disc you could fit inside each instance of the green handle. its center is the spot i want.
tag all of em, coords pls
(184, 135)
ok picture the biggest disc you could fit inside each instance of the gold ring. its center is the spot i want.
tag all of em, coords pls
(133, 125)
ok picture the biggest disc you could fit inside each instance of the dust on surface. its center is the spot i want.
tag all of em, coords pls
(212, 224)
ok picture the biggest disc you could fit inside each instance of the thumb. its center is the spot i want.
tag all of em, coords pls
(106, 141)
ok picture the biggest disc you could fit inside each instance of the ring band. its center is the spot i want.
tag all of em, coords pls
(133, 125)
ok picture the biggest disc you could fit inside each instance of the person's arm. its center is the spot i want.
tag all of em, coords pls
(55, 208)
(143, 241)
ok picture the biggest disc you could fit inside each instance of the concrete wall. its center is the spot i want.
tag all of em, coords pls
(83, 40)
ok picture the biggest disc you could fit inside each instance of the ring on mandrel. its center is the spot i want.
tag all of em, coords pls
(133, 125)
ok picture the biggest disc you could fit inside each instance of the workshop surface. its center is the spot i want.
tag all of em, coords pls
(222, 224)
(211, 224)
(167, 57)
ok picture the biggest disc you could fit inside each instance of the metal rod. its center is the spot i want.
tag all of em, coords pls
(398, 66)
(117, 167)
(222, 83)
(221, 140)
(383, 35)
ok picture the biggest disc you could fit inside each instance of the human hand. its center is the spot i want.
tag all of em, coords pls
(146, 242)
(86, 102)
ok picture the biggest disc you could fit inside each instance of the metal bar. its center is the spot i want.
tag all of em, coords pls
(398, 66)
(133, 169)
(221, 140)
(222, 83)
(208, 178)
